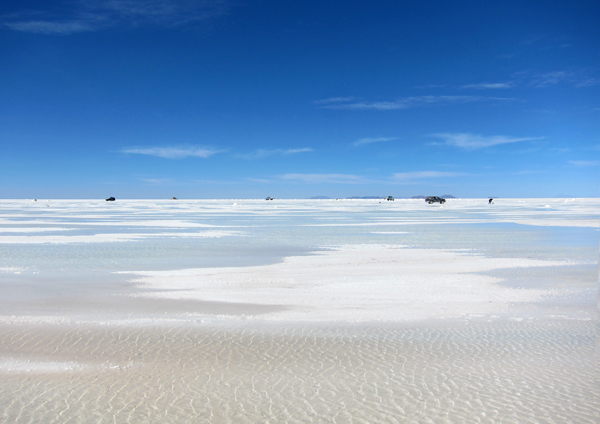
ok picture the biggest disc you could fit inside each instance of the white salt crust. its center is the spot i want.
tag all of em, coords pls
(354, 283)
(109, 238)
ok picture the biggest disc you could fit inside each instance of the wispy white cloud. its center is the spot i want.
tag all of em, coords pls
(405, 102)
(157, 181)
(326, 178)
(364, 141)
(419, 175)
(485, 86)
(527, 172)
(263, 153)
(259, 180)
(397, 178)
(172, 152)
(550, 78)
(573, 77)
(52, 27)
(334, 100)
(585, 162)
(75, 16)
(476, 141)
(576, 78)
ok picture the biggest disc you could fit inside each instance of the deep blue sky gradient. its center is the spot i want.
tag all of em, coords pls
(236, 99)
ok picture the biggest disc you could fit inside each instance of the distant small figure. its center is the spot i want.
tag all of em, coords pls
(491, 202)
(111, 199)
(174, 198)
(35, 200)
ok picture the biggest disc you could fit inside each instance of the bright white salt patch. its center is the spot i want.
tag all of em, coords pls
(101, 220)
(31, 229)
(166, 223)
(354, 283)
(403, 222)
(108, 237)
(558, 222)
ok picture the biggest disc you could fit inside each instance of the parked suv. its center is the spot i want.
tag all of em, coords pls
(435, 199)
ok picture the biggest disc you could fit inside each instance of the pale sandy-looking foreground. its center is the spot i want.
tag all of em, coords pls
(492, 372)
(299, 311)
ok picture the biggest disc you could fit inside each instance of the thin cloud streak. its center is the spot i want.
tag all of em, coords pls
(582, 163)
(92, 15)
(485, 86)
(408, 102)
(396, 178)
(575, 78)
(263, 153)
(258, 180)
(158, 181)
(364, 141)
(404, 176)
(334, 100)
(475, 141)
(173, 152)
(48, 27)
(326, 178)
(528, 172)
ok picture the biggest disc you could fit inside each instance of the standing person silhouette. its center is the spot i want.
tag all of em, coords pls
(491, 202)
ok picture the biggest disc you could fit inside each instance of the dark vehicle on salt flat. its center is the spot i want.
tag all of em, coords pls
(390, 198)
(435, 199)
(110, 199)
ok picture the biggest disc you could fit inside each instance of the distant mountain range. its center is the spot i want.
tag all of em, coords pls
(445, 196)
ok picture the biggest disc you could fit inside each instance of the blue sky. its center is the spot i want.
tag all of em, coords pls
(248, 99)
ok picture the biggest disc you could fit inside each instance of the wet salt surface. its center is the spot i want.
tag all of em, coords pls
(81, 341)
(438, 371)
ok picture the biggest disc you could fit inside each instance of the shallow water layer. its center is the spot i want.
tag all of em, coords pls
(52, 249)
(458, 372)
(79, 342)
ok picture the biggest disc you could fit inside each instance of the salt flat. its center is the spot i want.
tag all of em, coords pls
(298, 310)
(355, 283)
